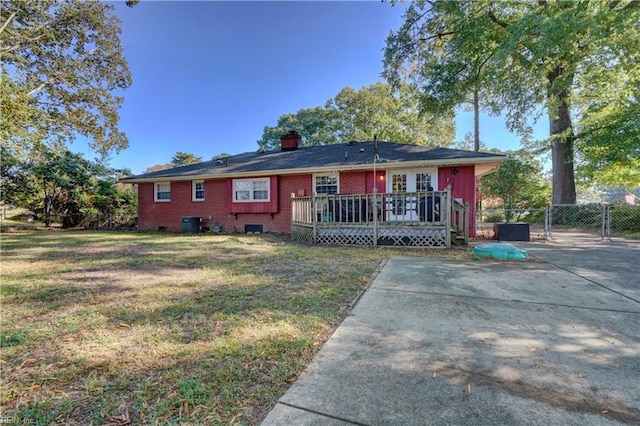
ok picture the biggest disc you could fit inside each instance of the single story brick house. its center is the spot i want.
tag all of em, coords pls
(255, 190)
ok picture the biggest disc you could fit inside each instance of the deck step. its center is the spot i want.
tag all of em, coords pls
(457, 239)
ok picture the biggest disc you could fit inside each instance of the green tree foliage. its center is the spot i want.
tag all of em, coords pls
(61, 63)
(157, 167)
(319, 126)
(14, 177)
(183, 158)
(518, 182)
(392, 115)
(62, 186)
(109, 205)
(469, 143)
(360, 114)
(62, 181)
(526, 56)
(608, 136)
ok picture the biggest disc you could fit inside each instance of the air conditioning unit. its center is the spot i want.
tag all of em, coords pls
(191, 224)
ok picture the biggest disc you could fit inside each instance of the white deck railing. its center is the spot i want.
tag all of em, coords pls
(432, 209)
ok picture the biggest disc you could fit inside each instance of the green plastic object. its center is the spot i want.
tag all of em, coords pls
(499, 251)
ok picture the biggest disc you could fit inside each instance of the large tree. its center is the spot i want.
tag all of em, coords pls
(62, 67)
(61, 181)
(318, 125)
(533, 56)
(184, 158)
(393, 115)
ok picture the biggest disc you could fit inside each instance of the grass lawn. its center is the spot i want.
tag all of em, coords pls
(156, 328)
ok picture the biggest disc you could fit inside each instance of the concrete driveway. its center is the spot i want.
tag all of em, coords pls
(554, 340)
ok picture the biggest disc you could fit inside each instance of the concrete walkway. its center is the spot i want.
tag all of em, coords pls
(554, 340)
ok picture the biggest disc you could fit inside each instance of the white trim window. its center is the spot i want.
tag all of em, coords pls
(251, 190)
(197, 190)
(326, 184)
(162, 192)
(423, 182)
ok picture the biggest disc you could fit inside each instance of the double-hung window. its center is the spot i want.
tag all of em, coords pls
(251, 190)
(198, 190)
(326, 184)
(162, 191)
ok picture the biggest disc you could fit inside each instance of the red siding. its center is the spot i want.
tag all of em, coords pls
(380, 182)
(462, 180)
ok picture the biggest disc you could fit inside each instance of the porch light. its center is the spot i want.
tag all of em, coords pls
(381, 177)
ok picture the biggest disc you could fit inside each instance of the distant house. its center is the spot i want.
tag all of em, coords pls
(256, 191)
(630, 198)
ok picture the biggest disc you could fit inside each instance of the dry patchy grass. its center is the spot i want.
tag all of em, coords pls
(133, 328)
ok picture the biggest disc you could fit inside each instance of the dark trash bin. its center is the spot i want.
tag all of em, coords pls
(511, 231)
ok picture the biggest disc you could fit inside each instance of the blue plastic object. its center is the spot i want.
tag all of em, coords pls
(499, 251)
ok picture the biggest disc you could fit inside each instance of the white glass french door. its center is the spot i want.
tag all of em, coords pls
(403, 206)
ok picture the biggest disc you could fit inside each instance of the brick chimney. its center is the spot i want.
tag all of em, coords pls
(291, 141)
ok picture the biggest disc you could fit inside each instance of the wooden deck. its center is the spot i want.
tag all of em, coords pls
(417, 219)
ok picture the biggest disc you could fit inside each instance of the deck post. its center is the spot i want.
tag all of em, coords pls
(314, 217)
(466, 223)
(447, 221)
(375, 216)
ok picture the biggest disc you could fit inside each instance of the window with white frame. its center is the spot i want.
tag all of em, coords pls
(399, 182)
(198, 190)
(162, 191)
(325, 184)
(423, 182)
(251, 190)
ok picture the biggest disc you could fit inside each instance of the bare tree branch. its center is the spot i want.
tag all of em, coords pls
(439, 35)
(9, 19)
(37, 89)
(18, 45)
(496, 20)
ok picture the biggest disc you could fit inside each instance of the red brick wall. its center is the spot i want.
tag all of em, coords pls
(153, 215)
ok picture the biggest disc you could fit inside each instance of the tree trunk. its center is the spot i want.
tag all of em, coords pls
(562, 137)
(476, 120)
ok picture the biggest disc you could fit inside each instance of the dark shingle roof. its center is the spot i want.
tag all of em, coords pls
(338, 155)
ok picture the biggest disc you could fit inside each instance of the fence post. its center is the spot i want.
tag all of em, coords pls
(604, 221)
(547, 223)
(606, 225)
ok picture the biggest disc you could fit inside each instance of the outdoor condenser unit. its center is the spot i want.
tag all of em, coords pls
(191, 224)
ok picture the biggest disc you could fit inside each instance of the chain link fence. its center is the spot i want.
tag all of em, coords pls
(623, 222)
(486, 218)
(602, 221)
(588, 220)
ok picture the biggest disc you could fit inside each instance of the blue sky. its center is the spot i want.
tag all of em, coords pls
(209, 76)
